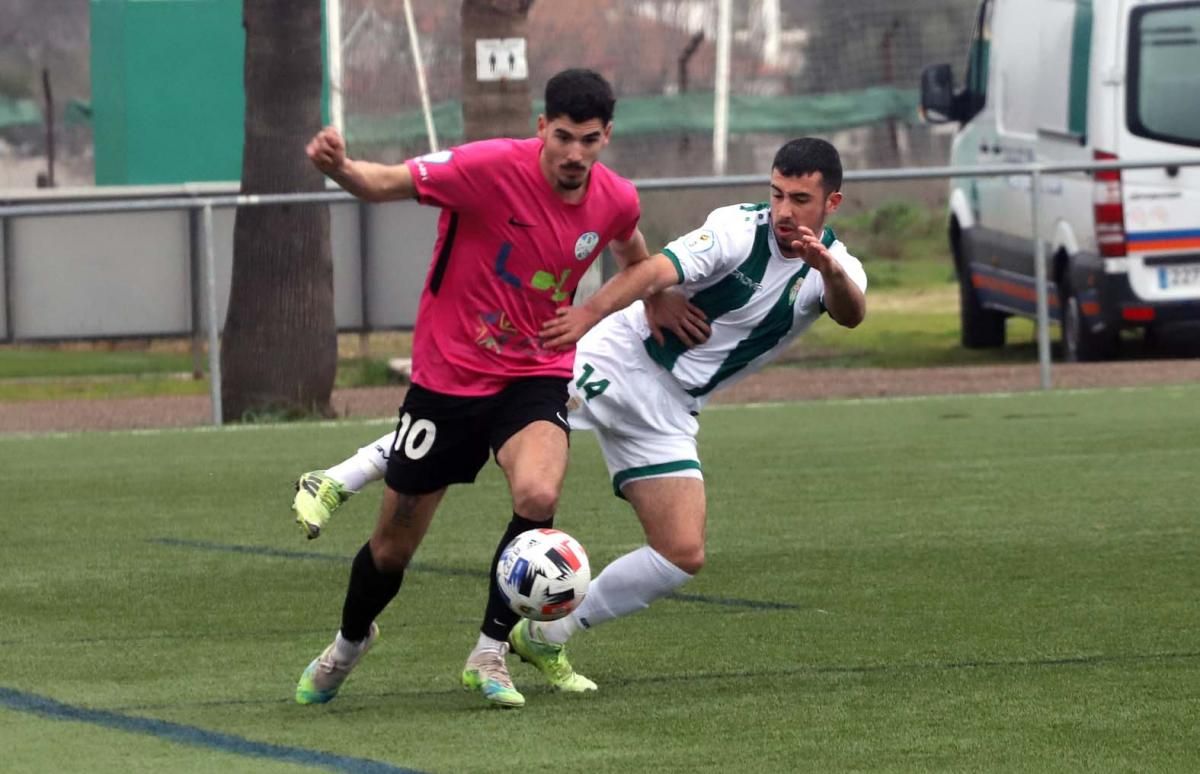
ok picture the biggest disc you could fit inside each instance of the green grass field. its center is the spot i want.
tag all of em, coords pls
(980, 584)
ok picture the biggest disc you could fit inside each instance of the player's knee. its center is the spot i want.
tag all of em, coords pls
(389, 557)
(536, 500)
(691, 560)
(686, 555)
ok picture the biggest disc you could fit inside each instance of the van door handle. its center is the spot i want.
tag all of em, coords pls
(984, 148)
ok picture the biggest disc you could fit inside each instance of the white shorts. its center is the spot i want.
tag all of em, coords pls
(637, 410)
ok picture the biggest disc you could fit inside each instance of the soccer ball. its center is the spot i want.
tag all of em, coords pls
(543, 574)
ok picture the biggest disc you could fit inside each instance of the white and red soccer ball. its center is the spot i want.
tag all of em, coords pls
(543, 574)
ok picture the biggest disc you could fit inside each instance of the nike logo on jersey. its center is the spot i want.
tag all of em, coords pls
(512, 221)
(562, 419)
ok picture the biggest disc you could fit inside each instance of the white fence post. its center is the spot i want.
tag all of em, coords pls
(1039, 273)
(210, 302)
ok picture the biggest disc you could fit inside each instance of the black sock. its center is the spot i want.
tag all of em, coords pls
(499, 619)
(369, 593)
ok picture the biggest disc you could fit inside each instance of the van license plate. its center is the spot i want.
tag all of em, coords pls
(1184, 276)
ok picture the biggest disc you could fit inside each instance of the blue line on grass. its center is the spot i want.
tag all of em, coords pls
(753, 604)
(192, 735)
(289, 554)
(206, 545)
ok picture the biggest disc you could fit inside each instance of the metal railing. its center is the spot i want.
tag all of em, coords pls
(205, 204)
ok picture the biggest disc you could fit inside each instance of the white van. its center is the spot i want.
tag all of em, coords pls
(1064, 81)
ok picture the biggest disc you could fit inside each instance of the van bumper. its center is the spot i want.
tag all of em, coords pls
(1123, 309)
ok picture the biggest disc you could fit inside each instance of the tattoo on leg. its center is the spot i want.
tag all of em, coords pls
(405, 513)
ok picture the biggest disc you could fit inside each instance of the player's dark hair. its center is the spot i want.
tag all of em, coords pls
(807, 155)
(580, 95)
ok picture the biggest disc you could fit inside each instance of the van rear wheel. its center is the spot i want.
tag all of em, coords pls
(982, 328)
(1080, 343)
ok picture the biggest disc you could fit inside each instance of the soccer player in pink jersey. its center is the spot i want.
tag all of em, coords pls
(493, 350)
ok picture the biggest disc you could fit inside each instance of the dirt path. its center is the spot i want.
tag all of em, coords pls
(774, 384)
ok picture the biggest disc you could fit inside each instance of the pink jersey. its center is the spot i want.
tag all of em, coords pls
(509, 253)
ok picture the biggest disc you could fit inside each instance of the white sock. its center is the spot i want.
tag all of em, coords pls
(487, 643)
(345, 650)
(368, 464)
(627, 585)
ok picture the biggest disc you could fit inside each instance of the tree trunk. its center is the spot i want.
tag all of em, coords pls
(493, 108)
(279, 350)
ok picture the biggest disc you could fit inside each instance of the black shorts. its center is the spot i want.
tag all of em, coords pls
(444, 439)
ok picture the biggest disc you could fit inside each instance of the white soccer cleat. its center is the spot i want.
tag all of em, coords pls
(324, 676)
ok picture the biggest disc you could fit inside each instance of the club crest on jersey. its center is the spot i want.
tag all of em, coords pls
(586, 244)
(700, 241)
(794, 293)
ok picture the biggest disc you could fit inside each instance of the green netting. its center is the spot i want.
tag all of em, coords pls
(692, 112)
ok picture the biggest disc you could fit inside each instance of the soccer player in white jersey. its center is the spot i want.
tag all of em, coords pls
(750, 280)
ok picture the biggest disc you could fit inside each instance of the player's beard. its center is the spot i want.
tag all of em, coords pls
(572, 183)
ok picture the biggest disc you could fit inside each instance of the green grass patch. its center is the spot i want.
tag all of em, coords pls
(364, 372)
(893, 337)
(975, 584)
(98, 388)
(53, 362)
(897, 231)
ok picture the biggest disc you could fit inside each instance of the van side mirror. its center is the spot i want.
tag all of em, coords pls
(937, 94)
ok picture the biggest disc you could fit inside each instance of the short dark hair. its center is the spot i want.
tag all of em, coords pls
(807, 155)
(580, 95)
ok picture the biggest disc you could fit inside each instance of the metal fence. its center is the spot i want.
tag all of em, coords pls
(413, 233)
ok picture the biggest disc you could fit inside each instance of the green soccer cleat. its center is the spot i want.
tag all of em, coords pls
(487, 673)
(317, 497)
(323, 678)
(549, 658)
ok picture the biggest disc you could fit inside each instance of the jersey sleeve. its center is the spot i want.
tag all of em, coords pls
(712, 249)
(851, 265)
(453, 179)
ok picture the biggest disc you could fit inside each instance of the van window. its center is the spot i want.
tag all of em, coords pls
(1164, 80)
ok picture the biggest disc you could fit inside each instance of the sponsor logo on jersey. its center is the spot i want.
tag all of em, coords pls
(586, 245)
(742, 278)
(700, 241)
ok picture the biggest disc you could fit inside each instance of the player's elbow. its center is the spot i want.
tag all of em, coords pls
(853, 319)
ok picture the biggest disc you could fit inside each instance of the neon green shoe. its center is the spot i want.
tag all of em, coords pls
(487, 673)
(549, 658)
(317, 497)
(323, 677)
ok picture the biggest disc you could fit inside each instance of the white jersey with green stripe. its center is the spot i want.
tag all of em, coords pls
(755, 299)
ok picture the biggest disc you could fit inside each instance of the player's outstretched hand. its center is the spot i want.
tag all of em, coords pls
(809, 246)
(671, 310)
(327, 150)
(567, 327)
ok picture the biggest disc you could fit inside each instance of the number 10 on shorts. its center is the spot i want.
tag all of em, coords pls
(593, 388)
(414, 439)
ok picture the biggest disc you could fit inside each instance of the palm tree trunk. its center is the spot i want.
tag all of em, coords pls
(279, 353)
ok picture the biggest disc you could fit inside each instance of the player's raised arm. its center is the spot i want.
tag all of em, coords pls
(845, 300)
(365, 179)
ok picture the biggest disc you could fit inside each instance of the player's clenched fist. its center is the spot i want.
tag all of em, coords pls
(327, 150)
